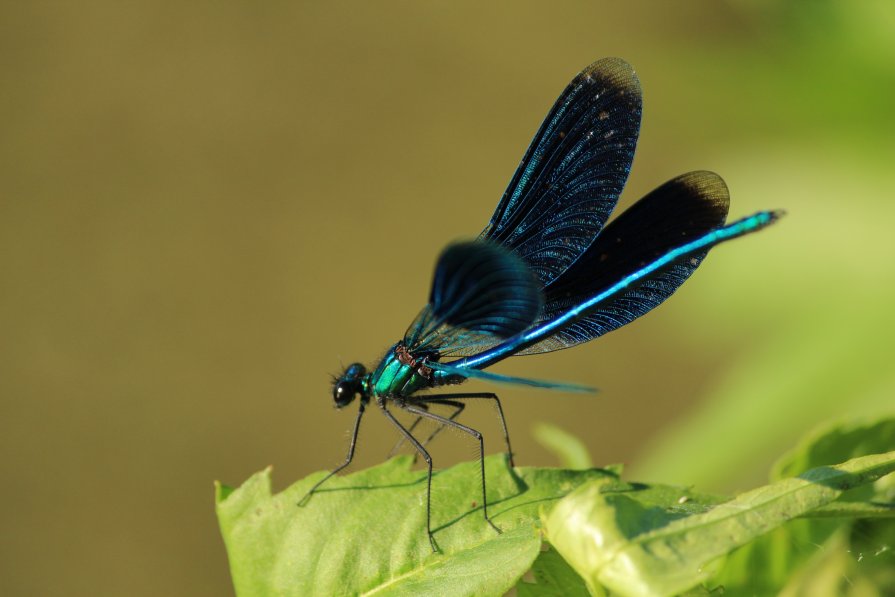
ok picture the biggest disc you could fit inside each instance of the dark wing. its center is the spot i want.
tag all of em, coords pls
(573, 172)
(677, 212)
(481, 294)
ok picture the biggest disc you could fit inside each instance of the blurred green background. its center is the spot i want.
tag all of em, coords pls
(206, 207)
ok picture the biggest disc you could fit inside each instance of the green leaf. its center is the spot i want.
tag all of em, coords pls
(568, 449)
(365, 533)
(856, 561)
(837, 442)
(838, 549)
(840, 509)
(766, 565)
(635, 546)
(553, 577)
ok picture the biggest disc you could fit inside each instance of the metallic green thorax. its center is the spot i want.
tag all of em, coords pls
(398, 375)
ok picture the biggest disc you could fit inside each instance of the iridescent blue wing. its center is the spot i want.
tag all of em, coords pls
(587, 305)
(573, 172)
(481, 294)
(677, 212)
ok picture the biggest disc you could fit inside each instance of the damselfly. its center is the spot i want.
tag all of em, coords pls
(546, 273)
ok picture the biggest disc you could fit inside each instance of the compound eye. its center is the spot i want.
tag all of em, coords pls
(344, 393)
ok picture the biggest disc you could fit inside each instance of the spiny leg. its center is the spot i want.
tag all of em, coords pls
(458, 406)
(419, 448)
(474, 396)
(476, 434)
(402, 439)
(348, 458)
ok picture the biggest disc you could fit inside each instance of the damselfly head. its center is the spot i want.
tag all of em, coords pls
(349, 385)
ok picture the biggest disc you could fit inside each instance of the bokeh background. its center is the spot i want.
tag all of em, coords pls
(207, 207)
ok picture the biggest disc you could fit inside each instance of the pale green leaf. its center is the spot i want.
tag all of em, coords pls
(365, 533)
(839, 548)
(619, 541)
